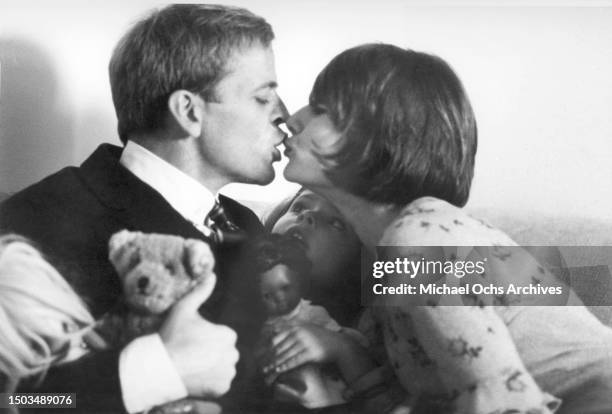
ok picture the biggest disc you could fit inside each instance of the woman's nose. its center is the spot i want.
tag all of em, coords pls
(292, 126)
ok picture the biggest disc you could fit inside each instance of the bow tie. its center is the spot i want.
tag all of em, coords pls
(224, 231)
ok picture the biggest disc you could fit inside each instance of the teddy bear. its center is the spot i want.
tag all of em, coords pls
(155, 271)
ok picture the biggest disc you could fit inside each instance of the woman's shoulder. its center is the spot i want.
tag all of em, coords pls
(430, 221)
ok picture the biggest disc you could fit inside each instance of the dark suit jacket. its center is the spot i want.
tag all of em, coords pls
(73, 213)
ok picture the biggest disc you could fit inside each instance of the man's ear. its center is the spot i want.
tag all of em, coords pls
(186, 109)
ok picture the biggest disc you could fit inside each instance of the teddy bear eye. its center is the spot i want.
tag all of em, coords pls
(134, 260)
(169, 267)
(186, 262)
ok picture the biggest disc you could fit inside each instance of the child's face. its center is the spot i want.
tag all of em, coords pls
(328, 240)
(280, 290)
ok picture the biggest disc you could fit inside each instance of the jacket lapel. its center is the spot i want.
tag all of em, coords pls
(135, 204)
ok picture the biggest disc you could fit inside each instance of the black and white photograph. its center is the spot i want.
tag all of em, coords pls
(328, 207)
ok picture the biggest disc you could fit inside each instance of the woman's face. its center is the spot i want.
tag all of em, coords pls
(328, 240)
(313, 133)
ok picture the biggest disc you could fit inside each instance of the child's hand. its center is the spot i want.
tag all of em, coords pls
(301, 344)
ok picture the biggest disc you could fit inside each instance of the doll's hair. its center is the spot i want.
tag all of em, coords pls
(274, 249)
(34, 301)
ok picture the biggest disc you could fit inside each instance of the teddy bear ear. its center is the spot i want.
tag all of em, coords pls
(117, 243)
(198, 259)
(120, 238)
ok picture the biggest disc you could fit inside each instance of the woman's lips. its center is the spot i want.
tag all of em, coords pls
(288, 148)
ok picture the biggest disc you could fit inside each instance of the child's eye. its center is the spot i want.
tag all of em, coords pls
(296, 208)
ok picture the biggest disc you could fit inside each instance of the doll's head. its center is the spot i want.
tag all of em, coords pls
(282, 270)
(42, 319)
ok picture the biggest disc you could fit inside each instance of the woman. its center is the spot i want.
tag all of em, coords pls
(389, 137)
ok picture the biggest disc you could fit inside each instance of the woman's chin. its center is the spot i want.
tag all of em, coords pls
(291, 173)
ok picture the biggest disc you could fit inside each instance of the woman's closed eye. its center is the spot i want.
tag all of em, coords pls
(262, 100)
(317, 109)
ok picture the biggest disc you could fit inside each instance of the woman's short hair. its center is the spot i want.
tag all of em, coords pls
(182, 46)
(407, 127)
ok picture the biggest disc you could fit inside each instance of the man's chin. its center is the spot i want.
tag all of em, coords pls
(263, 179)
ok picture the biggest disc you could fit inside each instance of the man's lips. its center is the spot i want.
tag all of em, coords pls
(276, 155)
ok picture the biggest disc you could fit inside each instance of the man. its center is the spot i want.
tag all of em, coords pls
(194, 88)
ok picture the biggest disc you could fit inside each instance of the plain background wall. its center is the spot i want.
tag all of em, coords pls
(539, 77)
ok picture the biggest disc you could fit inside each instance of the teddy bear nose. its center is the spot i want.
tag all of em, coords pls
(143, 282)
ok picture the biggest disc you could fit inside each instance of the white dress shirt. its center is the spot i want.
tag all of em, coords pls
(146, 372)
(186, 195)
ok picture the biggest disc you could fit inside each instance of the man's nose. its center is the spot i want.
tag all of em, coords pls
(281, 114)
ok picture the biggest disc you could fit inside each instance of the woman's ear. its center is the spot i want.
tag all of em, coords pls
(186, 110)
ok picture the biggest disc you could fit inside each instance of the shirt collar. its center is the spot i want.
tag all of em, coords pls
(186, 195)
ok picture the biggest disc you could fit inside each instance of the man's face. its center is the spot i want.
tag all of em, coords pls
(240, 131)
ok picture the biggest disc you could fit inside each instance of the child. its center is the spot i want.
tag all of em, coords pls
(282, 269)
(332, 247)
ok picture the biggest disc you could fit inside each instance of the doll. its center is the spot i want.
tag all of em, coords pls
(282, 271)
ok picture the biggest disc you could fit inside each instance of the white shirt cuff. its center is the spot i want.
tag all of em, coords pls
(147, 375)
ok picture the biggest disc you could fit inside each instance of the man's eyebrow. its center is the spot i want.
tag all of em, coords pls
(267, 85)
